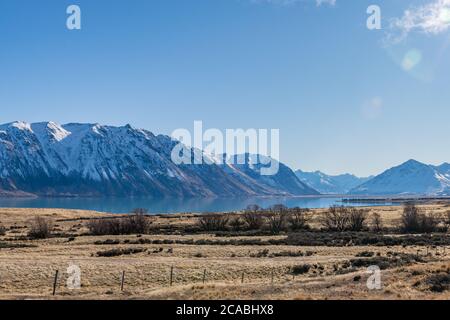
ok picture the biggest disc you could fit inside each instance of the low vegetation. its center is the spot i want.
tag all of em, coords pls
(120, 252)
(132, 224)
(439, 282)
(41, 228)
(415, 220)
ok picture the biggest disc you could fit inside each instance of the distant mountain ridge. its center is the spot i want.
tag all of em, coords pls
(48, 159)
(329, 184)
(409, 178)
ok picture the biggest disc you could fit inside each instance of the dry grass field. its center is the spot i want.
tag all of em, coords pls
(209, 265)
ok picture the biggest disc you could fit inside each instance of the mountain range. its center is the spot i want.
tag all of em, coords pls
(47, 159)
(409, 178)
(329, 184)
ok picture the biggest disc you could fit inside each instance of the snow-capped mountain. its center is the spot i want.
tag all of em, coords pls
(249, 174)
(329, 184)
(411, 177)
(96, 160)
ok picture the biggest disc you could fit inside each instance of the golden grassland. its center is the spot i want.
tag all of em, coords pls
(27, 267)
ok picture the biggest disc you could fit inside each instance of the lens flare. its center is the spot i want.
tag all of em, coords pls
(444, 16)
(411, 59)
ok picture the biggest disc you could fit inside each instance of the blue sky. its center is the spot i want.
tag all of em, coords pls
(346, 99)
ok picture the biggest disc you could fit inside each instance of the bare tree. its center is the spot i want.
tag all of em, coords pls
(139, 211)
(41, 228)
(253, 217)
(335, 218)
(377, 222)
(415, 220)
(213, 222)
(135, 224)
(277, 217)
(357, 219)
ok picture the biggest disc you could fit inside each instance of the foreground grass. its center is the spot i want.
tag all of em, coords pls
(336, 270)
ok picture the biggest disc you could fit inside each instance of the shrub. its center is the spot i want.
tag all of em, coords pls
(40, 228)
(410, 218)
(213, 222)
(2, 230)
(335, 219)
(135, 224)
(253, 218)
(132, 224)
(298, 219)
(120, 252)
(377, 222)
(415, 220)
(100, 227)
(439, 282)
(366, 254)
(300, 269)
(277, 218)
(429, 223)
(260, 254)
(237, 223)
(357, 219)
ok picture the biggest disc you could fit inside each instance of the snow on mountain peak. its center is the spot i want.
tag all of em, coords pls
(411, 177)
(92, 159)
(20, 125)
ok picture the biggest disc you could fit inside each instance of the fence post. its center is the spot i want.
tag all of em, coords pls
(242, 279)
(123, 281)
(171, 275)
(55, 282)
(204, 276)
(272, 277)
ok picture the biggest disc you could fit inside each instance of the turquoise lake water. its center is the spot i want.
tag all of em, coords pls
(124, 205)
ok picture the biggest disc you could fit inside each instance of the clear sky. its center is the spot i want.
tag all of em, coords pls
(345, 98)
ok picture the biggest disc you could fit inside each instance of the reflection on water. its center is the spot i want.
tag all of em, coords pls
(124, 205)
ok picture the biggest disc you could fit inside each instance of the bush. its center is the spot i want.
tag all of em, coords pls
(415, 220)
(377, 222)
(40, 228)
(439, 282)
(101, 227)
(429, 223)
(277, 218)
(335, 219)
(120, 252)
(2, 230)
(133, 224)
(213, 222)
(300, 269)
(253, 218)
(357, 219)
(236, 223)
(298, 219)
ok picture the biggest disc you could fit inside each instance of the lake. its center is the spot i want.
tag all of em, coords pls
(124, 205)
